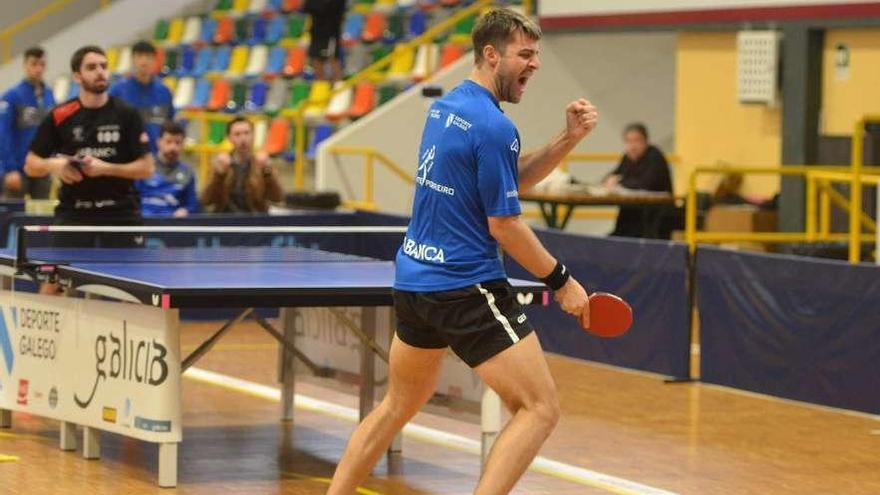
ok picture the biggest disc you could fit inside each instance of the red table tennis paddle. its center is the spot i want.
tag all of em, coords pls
(610, 316)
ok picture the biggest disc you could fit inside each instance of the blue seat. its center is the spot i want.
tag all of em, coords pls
(187, 61)
(354, 25)
(221, 59)
(275, 30)
(209, 27)
(203, 61)
(418, 24)
(258, 31)
(275, 64)
(257, 97)
(274, 5)
(202, 94)
(322, 132)
(74, 90)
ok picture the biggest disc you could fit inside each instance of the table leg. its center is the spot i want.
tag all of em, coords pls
(67, 436)
(569, 210)
(91, 443)
(287, 362)
(490, 423)
(368, 362)
(168, 464)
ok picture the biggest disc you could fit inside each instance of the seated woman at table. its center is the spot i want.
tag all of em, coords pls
(644, 167)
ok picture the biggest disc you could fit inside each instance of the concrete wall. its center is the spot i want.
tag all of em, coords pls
(123, 21)
(627, 76)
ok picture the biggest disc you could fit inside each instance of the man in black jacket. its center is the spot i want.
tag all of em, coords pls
(643, 167)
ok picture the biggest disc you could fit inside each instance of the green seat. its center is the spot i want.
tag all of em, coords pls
(295, 26)
(380, 52)
(465, 26)
(160, 32)
(223, 5)
(242, 28)
(239, 95)
(386, 93)
(172, 55)
(394, 27)
(299, 92)
(216, 132)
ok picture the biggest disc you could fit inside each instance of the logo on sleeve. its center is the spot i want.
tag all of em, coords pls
(514, 146)
(457, 121)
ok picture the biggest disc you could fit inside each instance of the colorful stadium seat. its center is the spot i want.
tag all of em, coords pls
(257, 62)
(299, 92)
(183, 93)
(322, 132)
(275, 62)
(256, 99)
(427, 58)
(225, 30)
(278, 136)
(209, 29)
(450, 53)
(191, 30)
(204, 57)
(374, 27)
(339, 104)
(221, 90)
(351, 32)
(364, 100)
(277, 97)
(175, 31)
(123, 66)
(202, 94)
(295, 62)
(319, 98)
(275, 30)
(187, 61)
(238, 61)
(222, 57)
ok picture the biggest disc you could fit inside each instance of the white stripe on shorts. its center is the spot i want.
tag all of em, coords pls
(490, 298)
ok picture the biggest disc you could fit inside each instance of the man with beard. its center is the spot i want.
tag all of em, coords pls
(22, 108)
(96, 145)
(242, 181)
(171, 191)
(451, 289)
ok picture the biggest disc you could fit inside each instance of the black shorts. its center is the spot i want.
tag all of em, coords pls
(98, 239)
(478, 321)
(325, 42)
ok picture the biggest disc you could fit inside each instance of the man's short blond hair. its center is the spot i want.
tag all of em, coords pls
(497, 28)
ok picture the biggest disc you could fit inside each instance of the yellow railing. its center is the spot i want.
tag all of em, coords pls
(819, 198)
(7, 34)
(371, 156)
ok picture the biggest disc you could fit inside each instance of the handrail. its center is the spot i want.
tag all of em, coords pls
(817, 179)
(7, 34)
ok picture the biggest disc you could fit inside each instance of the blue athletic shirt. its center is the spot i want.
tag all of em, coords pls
(20, 115)
(153, 101)
(172, 186)
(467, 172)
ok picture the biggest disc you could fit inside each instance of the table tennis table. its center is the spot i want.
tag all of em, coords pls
(167, 280)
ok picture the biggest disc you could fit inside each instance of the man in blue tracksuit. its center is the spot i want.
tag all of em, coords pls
(146, 92)
(171, 191)
(22, 108)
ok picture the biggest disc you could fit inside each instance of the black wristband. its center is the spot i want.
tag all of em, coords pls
(557, 278)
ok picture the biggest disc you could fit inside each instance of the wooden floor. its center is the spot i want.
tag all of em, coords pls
(683, 438)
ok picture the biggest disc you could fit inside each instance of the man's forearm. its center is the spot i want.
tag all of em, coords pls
(141, 168)
(36, 166)
(520, 242)
(537, 164)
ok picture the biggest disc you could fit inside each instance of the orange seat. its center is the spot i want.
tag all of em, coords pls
(160, 60)
(364, 100)
(291, 5)
(451, 52)
(225, 30)
(374, 27)
(279, 133)
(295, 62)
(220, 93)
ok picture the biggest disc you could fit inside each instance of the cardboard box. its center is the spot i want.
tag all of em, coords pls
(746, 218)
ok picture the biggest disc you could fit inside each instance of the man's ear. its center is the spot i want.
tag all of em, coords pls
(491, 55)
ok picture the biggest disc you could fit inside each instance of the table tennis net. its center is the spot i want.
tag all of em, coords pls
(210, 247)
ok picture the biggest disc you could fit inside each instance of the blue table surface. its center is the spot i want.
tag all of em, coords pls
(224, 267)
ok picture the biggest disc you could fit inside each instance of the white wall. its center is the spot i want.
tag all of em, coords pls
(553, 8)
(627, 76)
(123, 21)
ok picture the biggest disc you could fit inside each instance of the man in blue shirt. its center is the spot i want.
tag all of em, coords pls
(451, 289)
(22, 108)
(171, 191)
(146, 92)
